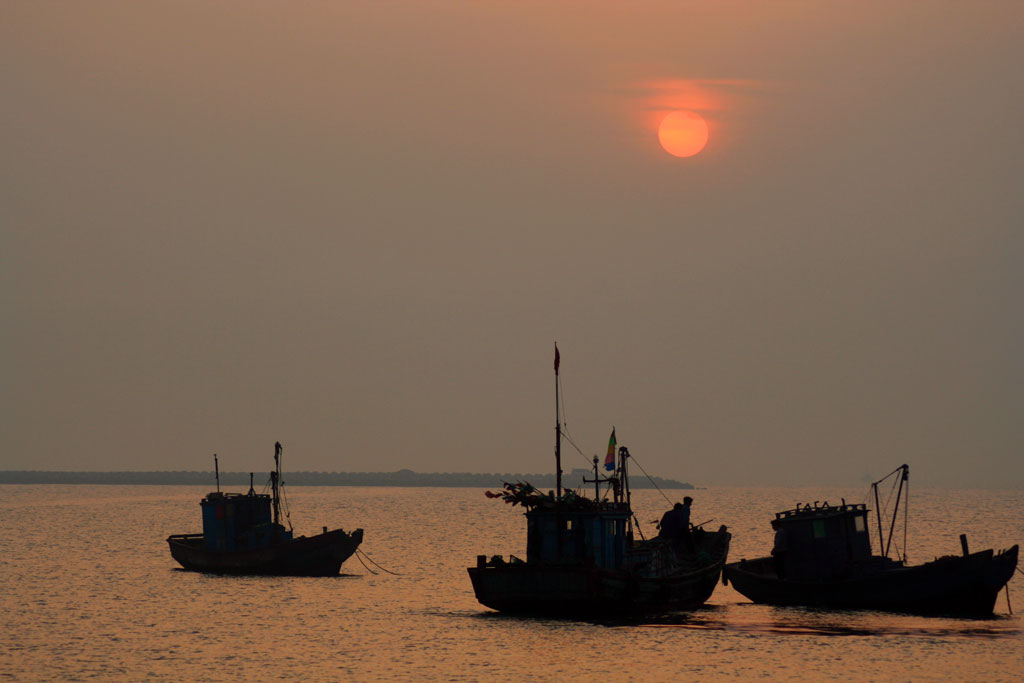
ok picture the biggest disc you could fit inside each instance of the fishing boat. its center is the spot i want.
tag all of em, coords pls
(823, 558)
(243, 534)
(583, 557)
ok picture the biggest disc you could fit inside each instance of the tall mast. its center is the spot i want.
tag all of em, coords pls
(275, 482)
(558, 435)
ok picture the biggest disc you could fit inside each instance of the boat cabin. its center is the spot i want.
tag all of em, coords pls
(821, 542)
(594, 535)
(236, 521)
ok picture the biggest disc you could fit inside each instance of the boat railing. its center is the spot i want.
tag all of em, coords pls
(822, 508)
(224, 495)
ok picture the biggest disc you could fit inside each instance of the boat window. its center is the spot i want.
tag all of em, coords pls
(568, 525)
(859, 525)
(819, 528)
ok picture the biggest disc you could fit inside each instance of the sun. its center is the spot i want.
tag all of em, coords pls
(683, 133)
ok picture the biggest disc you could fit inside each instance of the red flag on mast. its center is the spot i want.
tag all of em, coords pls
(556, 359)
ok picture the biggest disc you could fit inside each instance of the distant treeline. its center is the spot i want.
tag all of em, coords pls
(572, 479)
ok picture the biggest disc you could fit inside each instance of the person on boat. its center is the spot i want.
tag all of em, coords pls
(685, 535)
(675, 525)
(670, 523)
(684, 513)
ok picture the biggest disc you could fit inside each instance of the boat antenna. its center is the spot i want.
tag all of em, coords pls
(613, 483)
(216, 471)
(558, 434)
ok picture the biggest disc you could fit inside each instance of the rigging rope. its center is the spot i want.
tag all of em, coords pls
(884, 511)
(284, 504)
(565, 435)
(650, 479)
(906, 516)
(565, 423)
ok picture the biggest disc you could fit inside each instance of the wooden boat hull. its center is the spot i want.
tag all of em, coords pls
(320, 555)
(965, 586)
(578, 590)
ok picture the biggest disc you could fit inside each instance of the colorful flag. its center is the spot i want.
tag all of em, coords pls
(609, 460)
(556, 359)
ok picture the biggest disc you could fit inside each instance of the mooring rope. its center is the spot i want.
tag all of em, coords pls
(384, 569)
(364, 564)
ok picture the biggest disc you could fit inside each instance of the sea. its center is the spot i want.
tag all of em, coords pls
(90, 592)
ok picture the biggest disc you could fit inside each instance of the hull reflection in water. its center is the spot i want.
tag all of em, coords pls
(809, 621)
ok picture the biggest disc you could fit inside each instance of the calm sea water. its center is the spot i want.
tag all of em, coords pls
(90, 592)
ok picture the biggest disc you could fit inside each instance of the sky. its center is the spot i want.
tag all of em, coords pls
(359, 228)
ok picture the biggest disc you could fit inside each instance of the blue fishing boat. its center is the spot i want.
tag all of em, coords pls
(243, 534)
(583, 557)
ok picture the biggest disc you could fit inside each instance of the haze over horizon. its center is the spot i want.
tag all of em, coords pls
(358, 229)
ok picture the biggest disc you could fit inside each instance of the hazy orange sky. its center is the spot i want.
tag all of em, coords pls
(358, 228)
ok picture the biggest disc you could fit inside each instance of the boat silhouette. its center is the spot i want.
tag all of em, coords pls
(243, 534)
(823, 558)
(583, 557)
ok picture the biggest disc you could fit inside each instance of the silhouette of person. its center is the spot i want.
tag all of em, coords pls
(684, 513)
(670, 523)
(685, 536)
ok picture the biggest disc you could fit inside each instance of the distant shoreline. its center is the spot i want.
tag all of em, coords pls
(572, 479)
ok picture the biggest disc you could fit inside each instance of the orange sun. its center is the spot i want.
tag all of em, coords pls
(683, 133)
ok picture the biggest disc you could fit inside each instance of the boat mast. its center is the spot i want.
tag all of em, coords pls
(878, 512)
(904, 478)
(883, 542)
(216, 471)
(275, 482)
(558, 435)
(624, 474)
